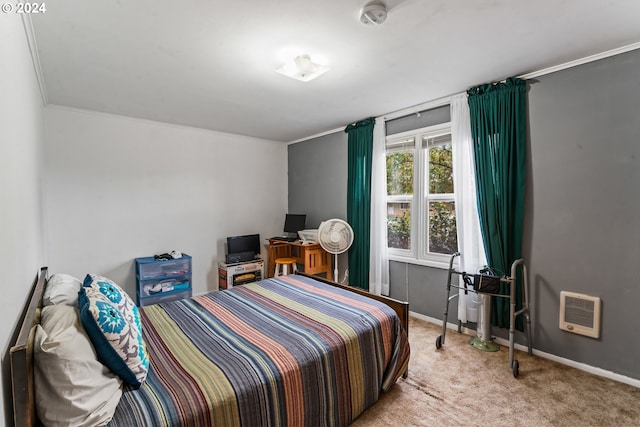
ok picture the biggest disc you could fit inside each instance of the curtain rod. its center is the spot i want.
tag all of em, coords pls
(418, 108)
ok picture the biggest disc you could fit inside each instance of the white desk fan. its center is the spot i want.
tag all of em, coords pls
(335, 236)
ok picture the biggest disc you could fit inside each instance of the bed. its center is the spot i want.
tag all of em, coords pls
(291, 351)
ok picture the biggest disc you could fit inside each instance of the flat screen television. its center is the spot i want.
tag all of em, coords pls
(243, 248)
(294, 223)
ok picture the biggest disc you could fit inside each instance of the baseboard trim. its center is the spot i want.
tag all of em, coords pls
(563, 361)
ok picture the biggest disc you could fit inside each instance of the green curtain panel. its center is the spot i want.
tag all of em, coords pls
(498, 126)
(360, 152)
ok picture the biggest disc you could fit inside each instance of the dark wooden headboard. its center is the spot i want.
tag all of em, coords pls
(24, 408)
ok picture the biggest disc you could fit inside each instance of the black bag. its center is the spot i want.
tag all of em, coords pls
(486, 283)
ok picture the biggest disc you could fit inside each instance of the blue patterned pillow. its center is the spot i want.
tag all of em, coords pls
(112, 322)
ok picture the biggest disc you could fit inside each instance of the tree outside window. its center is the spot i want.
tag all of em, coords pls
(400, 164)
(423, 228)
(442, 236)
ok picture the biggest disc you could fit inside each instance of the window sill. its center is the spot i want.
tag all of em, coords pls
(424, 262)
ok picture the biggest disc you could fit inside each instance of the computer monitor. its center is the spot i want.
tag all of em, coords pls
(294, 223)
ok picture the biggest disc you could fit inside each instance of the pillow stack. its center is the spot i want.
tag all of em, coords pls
(112, 322)
(72, 387)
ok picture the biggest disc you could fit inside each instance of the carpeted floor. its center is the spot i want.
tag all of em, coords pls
(461, 386)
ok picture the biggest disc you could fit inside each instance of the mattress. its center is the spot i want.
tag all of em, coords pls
(287, 351)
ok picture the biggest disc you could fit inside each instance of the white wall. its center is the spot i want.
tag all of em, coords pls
(118, 188)
(21, 137)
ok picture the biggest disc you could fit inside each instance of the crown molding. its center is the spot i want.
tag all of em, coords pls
(318, 135)
(35, 58)
(581, 61)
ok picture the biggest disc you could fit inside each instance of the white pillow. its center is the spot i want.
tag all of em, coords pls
(61, 289)
(72, 387)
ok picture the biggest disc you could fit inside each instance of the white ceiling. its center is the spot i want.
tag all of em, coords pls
(211, 64)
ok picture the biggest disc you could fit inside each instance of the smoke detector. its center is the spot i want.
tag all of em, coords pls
(373, 13)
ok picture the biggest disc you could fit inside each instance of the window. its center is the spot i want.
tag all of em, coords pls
(421, 217)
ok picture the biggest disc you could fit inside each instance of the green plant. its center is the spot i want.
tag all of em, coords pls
(443, 236)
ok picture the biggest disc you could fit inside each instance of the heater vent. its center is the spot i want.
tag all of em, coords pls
(580, 314)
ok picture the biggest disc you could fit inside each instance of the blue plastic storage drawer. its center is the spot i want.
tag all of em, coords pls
(165, 297)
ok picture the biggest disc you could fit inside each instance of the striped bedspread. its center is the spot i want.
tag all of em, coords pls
(289, 351)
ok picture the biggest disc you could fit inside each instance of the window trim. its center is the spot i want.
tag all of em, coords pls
(418, 254)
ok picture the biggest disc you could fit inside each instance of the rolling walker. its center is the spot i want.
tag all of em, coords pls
(483, 340)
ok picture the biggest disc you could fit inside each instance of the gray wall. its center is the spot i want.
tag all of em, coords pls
(317, 182)
(583, 209)
(582, 219)
(317, 177)
(424, 287)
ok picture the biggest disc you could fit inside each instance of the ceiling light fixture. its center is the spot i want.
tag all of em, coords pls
(373, 13)
(302, 68)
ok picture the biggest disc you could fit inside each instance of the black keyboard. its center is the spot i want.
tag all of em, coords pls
(284, 238)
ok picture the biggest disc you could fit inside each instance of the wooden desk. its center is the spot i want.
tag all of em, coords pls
(310, 256)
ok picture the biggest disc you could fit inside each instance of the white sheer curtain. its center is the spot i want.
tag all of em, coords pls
(379, 258)
(472, 255)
